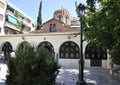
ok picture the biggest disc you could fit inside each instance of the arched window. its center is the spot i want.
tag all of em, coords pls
(48, 46)
(21, 46)
(69, 50)
(7, 49)
(94, 52)
(52, 27)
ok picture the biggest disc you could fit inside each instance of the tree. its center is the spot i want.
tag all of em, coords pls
(39, 18)
(11, 78)
(31, 67)
(102, 25)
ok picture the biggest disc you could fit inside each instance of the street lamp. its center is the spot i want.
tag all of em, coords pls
(80, 9)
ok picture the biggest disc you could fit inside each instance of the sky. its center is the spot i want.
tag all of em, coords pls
(31, 7)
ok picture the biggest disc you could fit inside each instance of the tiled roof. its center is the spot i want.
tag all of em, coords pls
(54, 20)
(60, 27)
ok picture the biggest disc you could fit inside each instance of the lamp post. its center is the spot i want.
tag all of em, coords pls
(80, 9)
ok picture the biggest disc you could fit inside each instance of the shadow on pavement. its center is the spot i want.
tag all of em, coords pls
(99, 76)
(2, 83)
(90, 84)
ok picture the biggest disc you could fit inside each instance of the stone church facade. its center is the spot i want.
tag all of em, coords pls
(58, 36)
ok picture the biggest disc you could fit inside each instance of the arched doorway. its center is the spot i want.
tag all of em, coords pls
(7, 49)
(69, 50)
(21, 45)
(95, 54)
(48, 46)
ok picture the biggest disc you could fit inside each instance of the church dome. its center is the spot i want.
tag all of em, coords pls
(62, 11)
(62, 15)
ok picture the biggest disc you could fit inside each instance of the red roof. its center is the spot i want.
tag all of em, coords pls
(60, 27)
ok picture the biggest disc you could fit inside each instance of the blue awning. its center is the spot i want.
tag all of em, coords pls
(12, 20)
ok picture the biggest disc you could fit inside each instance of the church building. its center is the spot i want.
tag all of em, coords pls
(62, 38)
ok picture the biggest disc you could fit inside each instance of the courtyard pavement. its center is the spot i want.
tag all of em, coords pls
(93, 76)
(3, 68)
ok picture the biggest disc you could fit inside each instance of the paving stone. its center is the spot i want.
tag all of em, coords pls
(92, 76)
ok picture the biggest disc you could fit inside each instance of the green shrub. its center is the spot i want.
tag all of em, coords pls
(115, 55)
(31, 67)
(11, 77)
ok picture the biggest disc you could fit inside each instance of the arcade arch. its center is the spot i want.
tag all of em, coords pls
(6, 49)
(95, 54)
(69, 50)
(48, 46)
(22, 44)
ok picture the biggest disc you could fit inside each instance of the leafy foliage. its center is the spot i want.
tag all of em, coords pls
(102, 27)
(31, 67)
(11, 78)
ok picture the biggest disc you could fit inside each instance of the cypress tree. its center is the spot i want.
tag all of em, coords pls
(39, 18)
